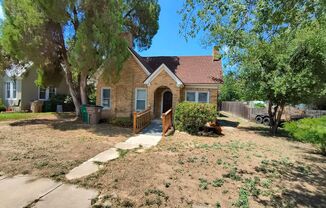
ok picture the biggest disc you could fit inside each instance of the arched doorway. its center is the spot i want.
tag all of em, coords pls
(162, 100)
(166, 100)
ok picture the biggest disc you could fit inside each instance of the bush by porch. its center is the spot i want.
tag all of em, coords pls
(190, 117)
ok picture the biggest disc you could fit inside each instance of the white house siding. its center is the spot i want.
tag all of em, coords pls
(11, 101)
(27, 91)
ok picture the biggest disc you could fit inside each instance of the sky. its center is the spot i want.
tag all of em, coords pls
(168, 41)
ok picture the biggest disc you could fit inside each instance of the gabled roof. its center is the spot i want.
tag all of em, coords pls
(163, 67)
(187, 69)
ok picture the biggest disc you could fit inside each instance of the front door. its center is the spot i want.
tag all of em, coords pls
(167, 101)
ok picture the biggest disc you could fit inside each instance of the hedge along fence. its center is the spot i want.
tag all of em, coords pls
(190, 117)
(311, 130)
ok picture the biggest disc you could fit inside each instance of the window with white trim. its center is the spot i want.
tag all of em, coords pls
(14, 89)
(8, 96)
(11, 90)
(42, 93)
(52, 92)
(106, 98)
(140, 99)
(197, 96)
(46, 93)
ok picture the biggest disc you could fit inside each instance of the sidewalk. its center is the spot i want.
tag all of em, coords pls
(148, 138)
(27, 191)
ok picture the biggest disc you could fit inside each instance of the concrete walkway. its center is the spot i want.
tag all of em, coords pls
(27, 191)
(148, 138)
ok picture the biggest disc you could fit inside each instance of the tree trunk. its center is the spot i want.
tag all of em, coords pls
(278, 116)
(66, 67)
(72, 91)
(83, 88)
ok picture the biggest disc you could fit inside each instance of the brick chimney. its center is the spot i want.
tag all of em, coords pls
(128, 37)
(216, 54)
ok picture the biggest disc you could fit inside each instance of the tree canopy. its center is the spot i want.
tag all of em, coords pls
(278, 46)
(77, 37)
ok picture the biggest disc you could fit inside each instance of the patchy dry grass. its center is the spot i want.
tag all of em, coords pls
(51, 145)
(245, 167)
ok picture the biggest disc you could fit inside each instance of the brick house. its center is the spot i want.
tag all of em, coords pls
(160, 83)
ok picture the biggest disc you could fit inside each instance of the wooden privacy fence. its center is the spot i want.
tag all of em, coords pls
(166, 121)
(242, 110)
(141, 120)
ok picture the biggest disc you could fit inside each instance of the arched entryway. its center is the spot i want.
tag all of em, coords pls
(163, 98)
(166, 101)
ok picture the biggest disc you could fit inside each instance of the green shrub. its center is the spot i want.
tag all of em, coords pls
(312, 130)
(190, 117)
(125, 122)
(2, 106)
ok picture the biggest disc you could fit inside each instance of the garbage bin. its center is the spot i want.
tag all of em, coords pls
(47, 106)
(84, 114)
(36, 106)
(94, 114)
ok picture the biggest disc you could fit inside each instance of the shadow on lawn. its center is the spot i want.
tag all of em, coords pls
(224, 122)
(304, 185)
(69, 124)
(264, 131)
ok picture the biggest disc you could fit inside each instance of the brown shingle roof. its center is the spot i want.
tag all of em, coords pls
(189, 69)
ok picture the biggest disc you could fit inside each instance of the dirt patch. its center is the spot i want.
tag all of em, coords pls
(50, 146)
(242, 168)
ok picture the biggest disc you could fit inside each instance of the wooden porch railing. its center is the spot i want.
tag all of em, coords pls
(141, 120)
(166, 121)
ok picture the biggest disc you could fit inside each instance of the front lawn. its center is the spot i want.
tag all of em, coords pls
(20, 116)
(50, 146)
(243, 168)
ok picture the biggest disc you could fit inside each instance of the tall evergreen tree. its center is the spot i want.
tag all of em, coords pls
(77, 37)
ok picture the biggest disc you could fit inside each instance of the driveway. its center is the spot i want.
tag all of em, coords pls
(27, 191)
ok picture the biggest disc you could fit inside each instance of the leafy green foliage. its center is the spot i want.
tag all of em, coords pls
(231, 90)
(2, 106)
(190, 117)
(312, 130)
(236, 24)
(278, 46)
(79, 38)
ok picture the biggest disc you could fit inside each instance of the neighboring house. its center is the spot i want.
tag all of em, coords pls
(18, 88)
(160, 83)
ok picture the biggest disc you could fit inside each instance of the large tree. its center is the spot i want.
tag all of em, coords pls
(76, 37)
(277, 45)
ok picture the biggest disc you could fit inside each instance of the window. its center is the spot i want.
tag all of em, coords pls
(52, 91)
(8, 90)
(191, 96)
(46, 93)
(198, 97)
(140, 99)
(11, 90)
(42, 93)
(106, 98)
(203, 97)
(14, 89)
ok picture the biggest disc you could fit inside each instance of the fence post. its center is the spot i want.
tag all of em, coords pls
(135, 122)
(163, 123)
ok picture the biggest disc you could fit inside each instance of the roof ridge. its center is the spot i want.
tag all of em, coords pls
(176, 56)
